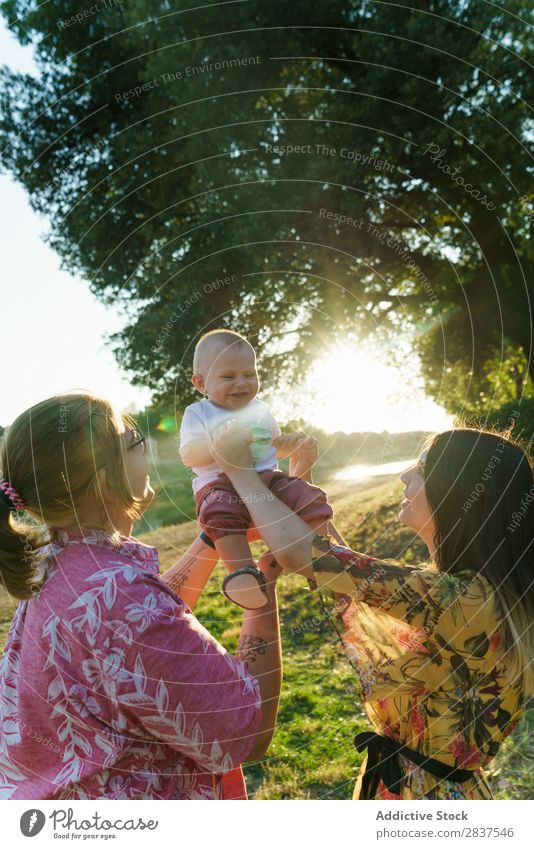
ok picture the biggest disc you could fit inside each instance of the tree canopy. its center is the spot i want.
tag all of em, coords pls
(299, 172)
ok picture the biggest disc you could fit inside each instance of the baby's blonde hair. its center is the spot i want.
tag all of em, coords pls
(51, 455)
(213, 343)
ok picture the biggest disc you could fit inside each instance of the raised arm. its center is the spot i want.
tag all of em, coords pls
(418, 596)
(259, 641)
(196, 453)
(286, 534)
(190, 574)
(179, 685)
(259, 648)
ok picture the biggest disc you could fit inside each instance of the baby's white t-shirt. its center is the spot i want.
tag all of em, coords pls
(200, 419)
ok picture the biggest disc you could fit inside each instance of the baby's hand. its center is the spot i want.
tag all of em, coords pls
(288, 443)
(303, 458)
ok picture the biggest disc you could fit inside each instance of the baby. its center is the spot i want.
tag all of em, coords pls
(225, 374)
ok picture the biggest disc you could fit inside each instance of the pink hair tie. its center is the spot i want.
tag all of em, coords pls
(17, 503)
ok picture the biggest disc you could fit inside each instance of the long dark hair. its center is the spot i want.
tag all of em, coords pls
(480, 487)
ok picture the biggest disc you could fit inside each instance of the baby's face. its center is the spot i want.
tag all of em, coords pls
(231, 381)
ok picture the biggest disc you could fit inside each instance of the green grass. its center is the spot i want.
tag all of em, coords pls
(312, 755)
(511, 771)
(174, 500)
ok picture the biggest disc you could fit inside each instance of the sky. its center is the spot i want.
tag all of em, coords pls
(54, 333)
(53, 327)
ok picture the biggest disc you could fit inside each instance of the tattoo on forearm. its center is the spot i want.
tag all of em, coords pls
(249, 647)
(177, 580)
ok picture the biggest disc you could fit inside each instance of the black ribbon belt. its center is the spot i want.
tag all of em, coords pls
(383, 764)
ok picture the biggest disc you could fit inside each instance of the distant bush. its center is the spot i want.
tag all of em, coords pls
(341, 449)
(337, 450)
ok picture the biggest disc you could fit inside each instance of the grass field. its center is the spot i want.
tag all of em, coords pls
(312, 756)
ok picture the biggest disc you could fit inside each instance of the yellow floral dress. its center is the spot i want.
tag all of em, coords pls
(432, 671)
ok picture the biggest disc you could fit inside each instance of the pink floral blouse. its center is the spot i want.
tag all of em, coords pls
(111, 689)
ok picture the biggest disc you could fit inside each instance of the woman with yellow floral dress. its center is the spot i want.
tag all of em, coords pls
(443, 651)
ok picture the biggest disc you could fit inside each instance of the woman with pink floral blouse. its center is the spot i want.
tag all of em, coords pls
(109, 686)
(442, 652)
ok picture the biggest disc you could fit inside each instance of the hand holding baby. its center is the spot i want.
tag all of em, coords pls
(230, 446)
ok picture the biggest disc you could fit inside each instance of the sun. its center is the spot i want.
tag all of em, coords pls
(353, 390)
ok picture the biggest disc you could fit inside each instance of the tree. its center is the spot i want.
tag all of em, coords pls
(295, 171)
(518, 419)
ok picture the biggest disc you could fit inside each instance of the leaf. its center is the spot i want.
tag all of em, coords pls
(434, 656)
(82, 743)
(11, 731)
(136, 699)
(110, 592)
(63, 649)
(179, 719)
(94, 621)
(150, 602)
(92, 705)
(162, 696)
(104, 744)
(70, 772)
(69, 752)
(478, 645)
(59, 710)
(55, 688)
(129, 573)
(63, 731)
(442, 641)
(83, 600)
(460, 669)
(140, 674)
(48, 625)
(215, 753)
(503, 719)
(481, 734)
(197, 738)
(227, 763)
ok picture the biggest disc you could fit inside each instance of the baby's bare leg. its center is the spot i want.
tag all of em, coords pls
(245, 584)
(234, 550)
(320, 526)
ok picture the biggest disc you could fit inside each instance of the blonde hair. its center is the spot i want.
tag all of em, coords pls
(214, 342)
(51, 455)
